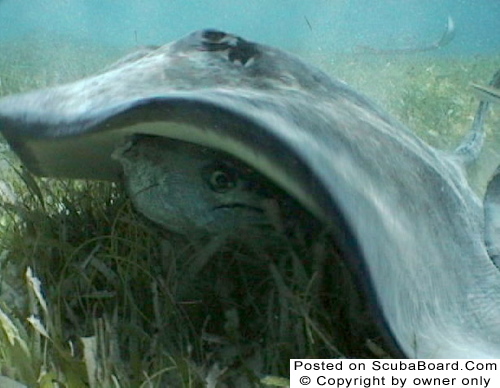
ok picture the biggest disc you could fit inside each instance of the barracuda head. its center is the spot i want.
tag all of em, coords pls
(188, 188)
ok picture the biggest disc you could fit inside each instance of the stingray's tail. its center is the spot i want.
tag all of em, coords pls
(446, 38)
(468, 151)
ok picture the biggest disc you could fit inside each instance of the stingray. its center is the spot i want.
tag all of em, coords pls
(402, 214)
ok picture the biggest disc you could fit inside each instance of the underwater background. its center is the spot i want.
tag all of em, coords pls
(331, 25)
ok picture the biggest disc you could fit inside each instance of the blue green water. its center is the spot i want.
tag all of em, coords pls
(326, 25)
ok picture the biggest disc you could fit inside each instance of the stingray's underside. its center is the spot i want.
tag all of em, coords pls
(402, 214)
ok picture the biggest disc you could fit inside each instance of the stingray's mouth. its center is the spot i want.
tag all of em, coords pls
(239, 206)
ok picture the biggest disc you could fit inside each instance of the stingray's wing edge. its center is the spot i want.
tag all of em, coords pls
(81, 148)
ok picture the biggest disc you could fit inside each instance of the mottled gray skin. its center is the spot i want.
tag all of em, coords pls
(187, 189)
(402, 213)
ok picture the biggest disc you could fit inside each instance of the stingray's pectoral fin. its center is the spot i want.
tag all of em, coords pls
(491, 207)
(492, 218)
(469, 149)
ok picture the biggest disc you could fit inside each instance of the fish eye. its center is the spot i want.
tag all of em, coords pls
(221, 178)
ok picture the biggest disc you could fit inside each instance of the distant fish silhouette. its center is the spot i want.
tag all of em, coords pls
(308, 23)
(445, 39)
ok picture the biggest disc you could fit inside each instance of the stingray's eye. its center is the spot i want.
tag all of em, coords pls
(220, 177)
